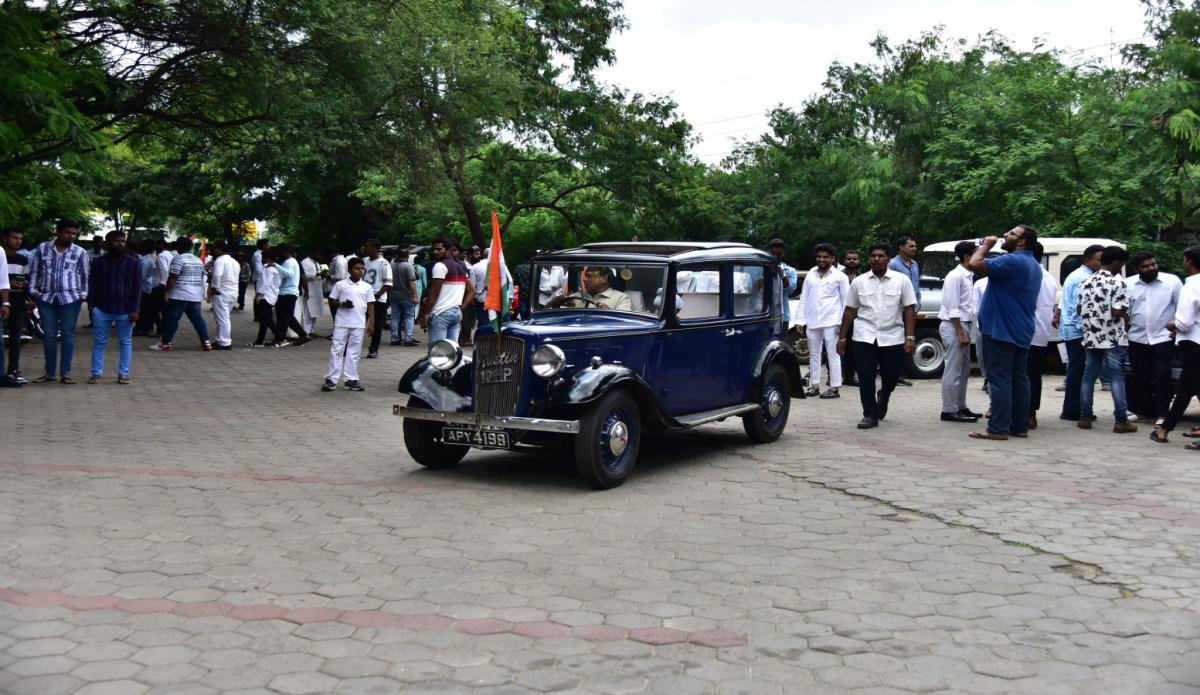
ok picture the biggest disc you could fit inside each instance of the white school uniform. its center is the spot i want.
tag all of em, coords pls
(349, 325)
(224, 282)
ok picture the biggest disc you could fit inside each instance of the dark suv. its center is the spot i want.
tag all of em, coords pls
(624, 338)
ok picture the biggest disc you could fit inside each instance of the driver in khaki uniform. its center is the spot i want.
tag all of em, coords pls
(599, 294)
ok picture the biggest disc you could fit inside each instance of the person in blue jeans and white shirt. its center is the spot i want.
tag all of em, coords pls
(59, 283)
(449, 291)
(115, 295)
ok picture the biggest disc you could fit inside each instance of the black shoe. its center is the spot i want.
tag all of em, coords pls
(372, 354)
(222, 347)
(904, 382)
(970, 413)
(1072, 418)
(394, 343)
(301, 341)
(852, 381)
(882, 402)
(813, 391)
(867, 423)
(830, 393)
(8, 382)
(328, 385)
(958, 417)
(353, 386)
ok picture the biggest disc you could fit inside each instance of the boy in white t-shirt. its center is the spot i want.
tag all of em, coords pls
(354, 302)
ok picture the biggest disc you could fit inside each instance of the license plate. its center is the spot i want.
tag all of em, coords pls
(483, 438)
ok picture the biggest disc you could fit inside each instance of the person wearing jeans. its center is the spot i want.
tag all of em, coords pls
(1070, 329)
(185, 291)
(1104, 312)
(115, 295)
(176, 308)
(445, 325)
(1007, 325)
(449, 291)
(59, 283)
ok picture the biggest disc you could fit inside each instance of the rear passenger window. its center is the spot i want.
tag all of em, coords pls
(749, 290)
(698, 292)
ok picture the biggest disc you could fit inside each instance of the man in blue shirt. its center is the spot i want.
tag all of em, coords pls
(1070, 329)
(905, 263)
(1006, 326)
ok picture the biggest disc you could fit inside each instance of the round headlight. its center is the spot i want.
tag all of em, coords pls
(547, 361)
(445, 355)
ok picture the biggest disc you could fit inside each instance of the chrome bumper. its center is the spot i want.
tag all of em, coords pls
(476, 420)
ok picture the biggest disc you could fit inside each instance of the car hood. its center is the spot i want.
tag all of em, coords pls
(566, 324)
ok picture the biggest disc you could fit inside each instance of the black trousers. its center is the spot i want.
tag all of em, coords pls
(150, 319)
(1189, 383)
(1151, 364)
(285, 316)
(381, 309)
(262, 314)
(13, 328)
(1037, 357)
(871, 359)
(242, 294)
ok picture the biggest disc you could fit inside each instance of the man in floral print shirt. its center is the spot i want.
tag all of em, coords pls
(1104, 313)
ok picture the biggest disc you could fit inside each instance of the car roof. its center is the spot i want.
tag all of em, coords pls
(1050, 244)
(659, 251)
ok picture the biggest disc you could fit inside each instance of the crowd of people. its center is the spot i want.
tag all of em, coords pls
(859, 324)
(1008, 306)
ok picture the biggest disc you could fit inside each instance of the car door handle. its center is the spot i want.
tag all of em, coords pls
(732, 331)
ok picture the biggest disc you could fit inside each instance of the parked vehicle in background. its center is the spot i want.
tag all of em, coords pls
(1062, 257)
(639, 337)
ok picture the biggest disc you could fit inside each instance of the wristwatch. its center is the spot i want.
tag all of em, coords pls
(910, 337)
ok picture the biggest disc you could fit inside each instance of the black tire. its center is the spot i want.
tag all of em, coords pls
(763, 427)
(614, 421)
(928, 360)
(423, 439)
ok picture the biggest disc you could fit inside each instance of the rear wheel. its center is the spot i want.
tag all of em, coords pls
(610, 434)
(766, 423)
(423, 439)
(928, 360)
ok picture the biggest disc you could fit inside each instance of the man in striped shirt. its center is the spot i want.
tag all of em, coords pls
(59, 282)
(115, 296)
(185, 292)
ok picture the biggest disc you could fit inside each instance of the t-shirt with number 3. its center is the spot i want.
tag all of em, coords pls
(358, 293)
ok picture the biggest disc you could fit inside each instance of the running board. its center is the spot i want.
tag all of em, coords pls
(714, 415)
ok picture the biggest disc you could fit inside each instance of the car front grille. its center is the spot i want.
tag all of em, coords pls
(499, 367)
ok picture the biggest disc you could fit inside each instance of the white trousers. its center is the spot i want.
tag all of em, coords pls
(824, 340)
(344, 352)
(222, 305)
(312, 310)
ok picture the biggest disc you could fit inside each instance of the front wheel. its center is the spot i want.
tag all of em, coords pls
(610, 433)
(764, 424)
(423, 439)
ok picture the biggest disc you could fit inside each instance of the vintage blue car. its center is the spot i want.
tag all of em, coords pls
(623, 339)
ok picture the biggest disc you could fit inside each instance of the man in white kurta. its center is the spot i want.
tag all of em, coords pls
(821, 304)
(223, 292)
(355, 301)
(314, 285)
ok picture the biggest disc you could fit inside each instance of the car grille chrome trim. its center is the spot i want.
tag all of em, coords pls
(477, 421)
(498, 397)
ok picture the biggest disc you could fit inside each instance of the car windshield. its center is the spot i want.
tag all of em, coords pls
(599, 286)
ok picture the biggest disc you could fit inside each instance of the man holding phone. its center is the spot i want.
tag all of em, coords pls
(354, 301)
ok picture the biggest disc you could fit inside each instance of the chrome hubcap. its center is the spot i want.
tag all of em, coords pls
(618, 438)
(774, 403)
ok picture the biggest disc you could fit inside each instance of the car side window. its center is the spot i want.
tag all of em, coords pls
(698, 292)
(1069, 265)
(749, 290)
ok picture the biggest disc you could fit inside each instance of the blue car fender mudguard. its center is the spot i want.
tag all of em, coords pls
(448, 391)
(777, 352)
(592, 383)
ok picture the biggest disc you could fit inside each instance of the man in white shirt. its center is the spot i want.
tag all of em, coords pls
(957, 316)
(550, 283)
(441, 311)
(222, 292)
(356, 301)
(1043, 320)
(314, 291)
(338, 269)
(379, 277)
(478, 278)
(6, 381)
(1186, 326)
(822, 302)
(881, 306)
(1153, 297)
(256, 261)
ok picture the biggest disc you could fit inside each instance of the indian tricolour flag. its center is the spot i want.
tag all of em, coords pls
(499, 287)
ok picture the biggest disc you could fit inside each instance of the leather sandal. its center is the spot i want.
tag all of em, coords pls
(988, 435)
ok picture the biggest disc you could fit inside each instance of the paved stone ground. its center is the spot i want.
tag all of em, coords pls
(221, 526)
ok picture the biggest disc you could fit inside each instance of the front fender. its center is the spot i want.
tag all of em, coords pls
(446, 391)
(590, 384)
(777, 351)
